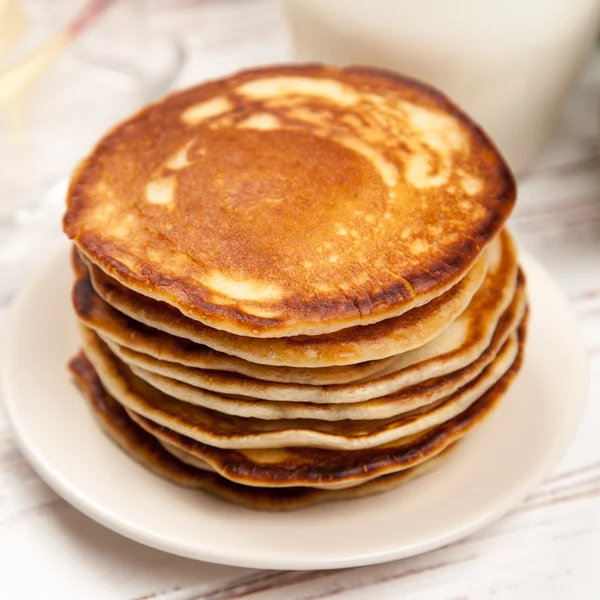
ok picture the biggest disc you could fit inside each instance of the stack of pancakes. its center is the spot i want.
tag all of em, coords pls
(294, 284)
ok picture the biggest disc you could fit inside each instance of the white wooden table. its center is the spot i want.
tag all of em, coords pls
(547, 548)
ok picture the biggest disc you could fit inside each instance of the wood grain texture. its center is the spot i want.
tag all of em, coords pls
(546, 548)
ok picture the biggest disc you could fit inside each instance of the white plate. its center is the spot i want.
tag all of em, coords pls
(491, 471)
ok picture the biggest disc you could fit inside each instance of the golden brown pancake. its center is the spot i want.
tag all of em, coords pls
(460, 346)
(116, 327)
(347, 346)
(229, 431)
(146, 449)
(342, 406)
(330, 469)
(461, 343)
(316, 467)
(292, 200)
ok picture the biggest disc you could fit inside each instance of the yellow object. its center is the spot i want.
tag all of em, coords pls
(17, 81)
(13, 25)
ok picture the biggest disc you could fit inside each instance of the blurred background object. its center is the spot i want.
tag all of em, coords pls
(509, 63)
(68, 71)
(13, 24)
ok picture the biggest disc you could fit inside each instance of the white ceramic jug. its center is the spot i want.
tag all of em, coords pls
(508, 63)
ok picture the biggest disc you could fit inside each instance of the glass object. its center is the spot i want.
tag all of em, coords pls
(61, 96)
(510, 64)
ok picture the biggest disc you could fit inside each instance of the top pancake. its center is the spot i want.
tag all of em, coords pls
(291, 200)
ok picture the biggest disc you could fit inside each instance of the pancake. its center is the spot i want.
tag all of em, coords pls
(462, 342)
(296, 200)
(116, 327)
(326, 469)
(348, 346)
(460, 345)
(228, 431)
(329, 483)
(147, 451)
(294, 407)
(409, 399)
(330, 469)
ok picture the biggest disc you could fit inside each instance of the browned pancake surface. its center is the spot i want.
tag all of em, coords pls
(103, 318)
(361, 343)
(291, 200)
(312, 466)
(149, 452)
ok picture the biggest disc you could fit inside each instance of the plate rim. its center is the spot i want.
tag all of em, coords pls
(109, 519)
